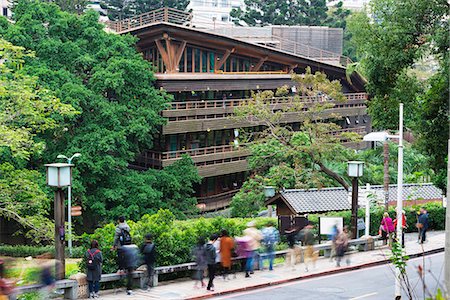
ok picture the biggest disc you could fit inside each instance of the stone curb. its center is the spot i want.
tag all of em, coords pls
(328, 272)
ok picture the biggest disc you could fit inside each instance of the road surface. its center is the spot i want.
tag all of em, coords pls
(367, 284)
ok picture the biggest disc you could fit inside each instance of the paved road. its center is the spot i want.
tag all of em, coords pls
(366, 284)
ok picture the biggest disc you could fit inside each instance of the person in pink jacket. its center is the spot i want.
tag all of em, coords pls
(387, 228)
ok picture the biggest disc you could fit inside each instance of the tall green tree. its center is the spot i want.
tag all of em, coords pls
(120, 9)
(107, 80)
(26, 110)
(389, 43)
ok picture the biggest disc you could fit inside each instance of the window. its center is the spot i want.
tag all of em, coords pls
(5, 11)
(224, 18)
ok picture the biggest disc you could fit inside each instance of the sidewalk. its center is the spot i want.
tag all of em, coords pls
(183, 288)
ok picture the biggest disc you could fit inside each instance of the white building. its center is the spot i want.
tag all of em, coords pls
(6, 11)
(350, 4)
(208, 13)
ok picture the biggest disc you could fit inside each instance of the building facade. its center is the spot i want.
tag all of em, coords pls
(209, 75)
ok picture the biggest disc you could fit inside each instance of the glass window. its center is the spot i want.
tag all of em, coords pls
(197, 60)
(204, 61)
(189, 59)
(181, 65)
(212, 61)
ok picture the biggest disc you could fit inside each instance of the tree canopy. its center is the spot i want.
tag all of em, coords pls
(104, 78)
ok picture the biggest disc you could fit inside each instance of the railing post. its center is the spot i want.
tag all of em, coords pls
(166, 14)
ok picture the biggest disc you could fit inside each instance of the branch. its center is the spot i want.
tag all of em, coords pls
(333, 175)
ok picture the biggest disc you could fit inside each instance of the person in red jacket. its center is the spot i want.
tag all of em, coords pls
(404, 226)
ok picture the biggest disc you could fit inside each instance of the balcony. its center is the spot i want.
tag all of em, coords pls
(211, 161)
(193, 116)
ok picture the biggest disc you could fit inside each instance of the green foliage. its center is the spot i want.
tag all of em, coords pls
(174, 239)
(34, 251)
(249, 200)
(300, 12)
(108, 81)
(26, 110)
(121, 9)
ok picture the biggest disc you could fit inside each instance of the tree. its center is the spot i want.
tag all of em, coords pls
(26, 109)
(120, 9)
(298, 12)
(389, 45)
(107, 80)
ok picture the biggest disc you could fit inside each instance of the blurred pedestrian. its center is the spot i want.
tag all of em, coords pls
(270, 238)
(387, 228)
(342, 246)
(148, 251)
(307, 237)
(226, 251)
(122, 237)
(130, 257)
(210, 252)
(292, 238)
(244, 250)
(333, 236)
(47, 280)
(255, 238)
(94, 260)
(6, 286)
(404, 226)
(199, 254)
(422, 225)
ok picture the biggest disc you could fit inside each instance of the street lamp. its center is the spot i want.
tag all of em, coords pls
(355, 170)
(382, 136)
(59, 175)
(269, 192)
(69, 202)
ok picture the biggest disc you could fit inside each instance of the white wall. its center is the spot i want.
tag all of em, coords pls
(5, 11)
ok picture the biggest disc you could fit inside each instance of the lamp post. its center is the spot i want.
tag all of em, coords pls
(382, 137)
(69, 202)
(269, 192)
(59, 175)
(355, 170)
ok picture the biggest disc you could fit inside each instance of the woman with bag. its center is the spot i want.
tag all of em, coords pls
(94, 260)
(387, 228)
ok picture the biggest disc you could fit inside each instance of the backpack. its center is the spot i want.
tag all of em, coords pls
(125, 237)
(91, 260)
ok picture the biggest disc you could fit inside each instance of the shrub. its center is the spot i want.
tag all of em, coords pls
(34, 251)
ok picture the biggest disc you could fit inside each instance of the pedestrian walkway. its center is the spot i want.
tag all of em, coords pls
(183, 288)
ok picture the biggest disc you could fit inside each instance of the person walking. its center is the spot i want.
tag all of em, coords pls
(148, 250)
(270, 238)
(244, 250)
(292, 239)
(199, 253)
(341, 246)
(211, 254)
(122, 237)
(226, 251)
(404, 226)
(255, 238)
(130, 256)
(307, 237)
(423, 224)
(94, 260)
(387, 228)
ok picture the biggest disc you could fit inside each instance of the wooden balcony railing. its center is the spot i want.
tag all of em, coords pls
(195, 152)
(164, 14)
(237, 102)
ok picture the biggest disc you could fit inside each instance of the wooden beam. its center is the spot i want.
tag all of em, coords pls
(179, 54)
(170, 54)
(164, 55)
(292, 67)
(259, 64)
(224, 58)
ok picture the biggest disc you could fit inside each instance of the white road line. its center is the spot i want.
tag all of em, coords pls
(364, 296)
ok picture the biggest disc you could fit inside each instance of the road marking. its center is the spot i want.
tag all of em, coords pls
(364, 296)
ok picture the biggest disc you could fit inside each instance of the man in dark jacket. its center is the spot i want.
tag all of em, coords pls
(211, 260)
(148, 250)
(122, 237)
(422, 225)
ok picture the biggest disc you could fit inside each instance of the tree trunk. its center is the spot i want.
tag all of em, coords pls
(333, 175)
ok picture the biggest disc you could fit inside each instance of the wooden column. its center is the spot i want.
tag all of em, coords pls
(60, 265)
(259, 64)
(224, 58)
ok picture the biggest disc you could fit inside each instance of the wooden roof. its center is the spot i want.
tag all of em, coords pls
(156, 31)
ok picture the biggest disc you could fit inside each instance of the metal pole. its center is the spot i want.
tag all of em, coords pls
(367, 233)
(386, 174)
(354, 207)
(59, 234)
(69, 214)
(398, 291)
(447, 228)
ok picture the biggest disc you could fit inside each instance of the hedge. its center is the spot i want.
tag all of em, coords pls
(34, 251)
(174, 239)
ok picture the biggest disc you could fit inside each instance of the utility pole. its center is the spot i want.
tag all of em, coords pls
(386, 174)
(60, 266)
(398, 289)
(447, 227)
